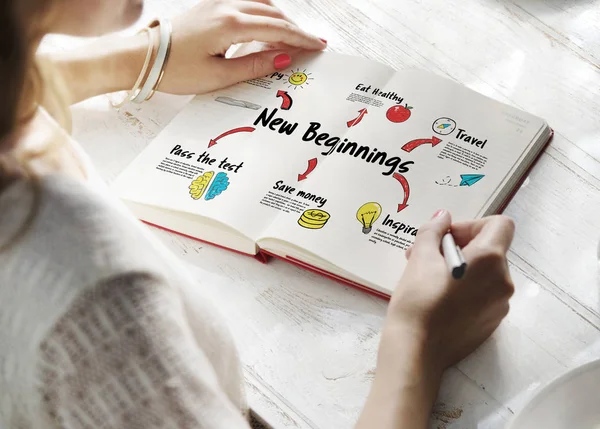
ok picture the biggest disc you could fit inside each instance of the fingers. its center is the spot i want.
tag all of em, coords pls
(464, 232)
(430, 234)
(262, 9)
(492, 233)
(282, 47)
(250, 28)
(258, 64)
(495, 232)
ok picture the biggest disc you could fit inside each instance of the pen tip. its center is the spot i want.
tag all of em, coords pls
(458, 272)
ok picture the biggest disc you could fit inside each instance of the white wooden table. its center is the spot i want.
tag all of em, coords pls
(308, 345)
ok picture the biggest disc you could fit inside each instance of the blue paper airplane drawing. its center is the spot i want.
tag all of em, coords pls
(470, 179)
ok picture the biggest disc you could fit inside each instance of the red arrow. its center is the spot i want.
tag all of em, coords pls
(312, 164)
(418, 142)
(400, 178)
(226, 133)
(355, 121)
(286, 102)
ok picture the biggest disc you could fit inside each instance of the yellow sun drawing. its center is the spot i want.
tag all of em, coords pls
(298, 79)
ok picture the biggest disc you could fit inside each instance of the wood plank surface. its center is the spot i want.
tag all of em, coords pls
(308, 345)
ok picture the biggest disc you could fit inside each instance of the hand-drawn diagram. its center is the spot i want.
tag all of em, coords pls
(286, 104)
(286, 100)
(214, 141)
(312, 164)
(398, 114)
(367, 215)
(443, 126)
(465, 180)
(238, 103)
(313, 219)
(446, 181)
(470, 179)
(297, 79)
(433, 141)
(219, 185)
(361, 113)
(199, 185)
(400, 178)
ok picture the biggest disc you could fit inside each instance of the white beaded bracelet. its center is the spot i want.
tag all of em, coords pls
(157, 69)
(135, 90)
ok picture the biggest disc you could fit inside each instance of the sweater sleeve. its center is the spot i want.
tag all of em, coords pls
(123, 356)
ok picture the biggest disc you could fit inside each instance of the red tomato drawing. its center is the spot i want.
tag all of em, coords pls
(398, 113)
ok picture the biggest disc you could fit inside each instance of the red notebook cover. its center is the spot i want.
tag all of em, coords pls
(263, 256)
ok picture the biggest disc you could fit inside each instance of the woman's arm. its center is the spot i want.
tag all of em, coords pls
(109, 64)
(406, 383)
(196, 64)
(434, 321)
(134, 363)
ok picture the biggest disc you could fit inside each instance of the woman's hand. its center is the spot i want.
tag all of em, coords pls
(196, 65)
(434, 321)
(203, 35)
(453, 317)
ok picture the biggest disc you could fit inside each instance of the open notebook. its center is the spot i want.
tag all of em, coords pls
(333, 165)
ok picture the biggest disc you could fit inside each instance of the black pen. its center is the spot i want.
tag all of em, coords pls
(453, 256)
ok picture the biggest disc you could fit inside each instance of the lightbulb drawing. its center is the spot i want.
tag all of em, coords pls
(367, 215)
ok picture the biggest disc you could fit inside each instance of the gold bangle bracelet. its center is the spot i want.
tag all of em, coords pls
(143, 73)
(162, 71)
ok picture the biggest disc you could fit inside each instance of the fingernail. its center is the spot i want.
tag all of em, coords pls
(438, 213)
(282, 61)
(323, 40)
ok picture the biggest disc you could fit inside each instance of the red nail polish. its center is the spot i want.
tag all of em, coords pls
(323, 40)
(282, 60)
(438, 213)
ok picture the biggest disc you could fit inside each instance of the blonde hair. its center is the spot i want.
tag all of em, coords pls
(26, 83)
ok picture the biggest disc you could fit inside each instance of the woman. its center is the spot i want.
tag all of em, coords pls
(99, 325)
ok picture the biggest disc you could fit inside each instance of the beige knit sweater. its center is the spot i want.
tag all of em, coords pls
(100, 326)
